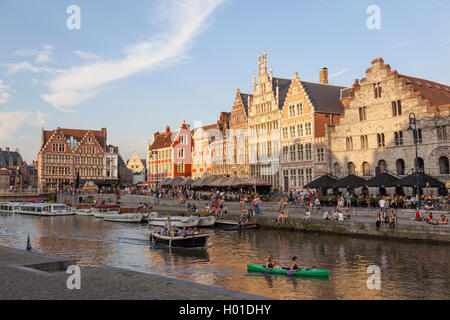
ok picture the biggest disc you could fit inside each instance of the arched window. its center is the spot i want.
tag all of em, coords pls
(382, 165)
(351, 168)
(400, 167)
(366, 169)
(443, 165)
(420, 165)
(337, 170)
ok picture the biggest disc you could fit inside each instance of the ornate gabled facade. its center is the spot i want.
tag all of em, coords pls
(308, 109)
(201, 153)
(374, 136)
(67, 153)
(264, 123)
(237, 136)
(218, 145)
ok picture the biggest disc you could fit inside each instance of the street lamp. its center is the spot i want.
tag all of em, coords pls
(413, 122)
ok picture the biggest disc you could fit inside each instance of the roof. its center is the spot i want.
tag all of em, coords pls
(283, 89)
(244, 97)
(162, 140)
(324, 97)
(437, 94)
(6, 155)
(78, 134)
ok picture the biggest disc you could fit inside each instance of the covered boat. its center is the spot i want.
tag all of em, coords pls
(302, 272)
(10, 207)
(45, 209)
(187, 241)
(125, 217)
(207, 221)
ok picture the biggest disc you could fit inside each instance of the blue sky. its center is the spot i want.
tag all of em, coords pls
(136, 66)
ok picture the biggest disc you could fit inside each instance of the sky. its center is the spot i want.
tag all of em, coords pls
(134, 67)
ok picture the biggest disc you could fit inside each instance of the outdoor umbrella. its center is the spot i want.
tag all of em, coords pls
(166, 182)
(325, 181)
(187, 182)
(384, 180)
(207, 182)
(237, 182)
(175, 181)
(220, 182)
(350, 181)
(424, 179)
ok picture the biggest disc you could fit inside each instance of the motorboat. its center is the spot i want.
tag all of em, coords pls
(155, 220)
(10, 207)
(106, 209)
(184, 241)
(124, 217)
(45, 209)
(207, 221)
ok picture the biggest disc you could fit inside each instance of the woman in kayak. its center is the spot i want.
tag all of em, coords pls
(294, 265)
(270, 264)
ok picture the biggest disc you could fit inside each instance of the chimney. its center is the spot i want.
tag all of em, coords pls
(167, 129)
(323, 76)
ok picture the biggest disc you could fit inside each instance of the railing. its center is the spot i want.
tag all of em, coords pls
(20, 192)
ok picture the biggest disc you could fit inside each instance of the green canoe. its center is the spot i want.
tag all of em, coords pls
(303, 273)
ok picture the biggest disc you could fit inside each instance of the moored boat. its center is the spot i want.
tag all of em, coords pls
(9, 207)
(85, 212)
(125, 217)
(303, 272)
(45, 209)
(105, 209)
(155, 221)
(187, 241)
(207, 221)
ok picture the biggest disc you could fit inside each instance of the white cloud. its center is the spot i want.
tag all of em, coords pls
(183, 21)
(5, 93)
(339, 73)
(42, 56)
(12, 122)
(404, 43)
(14, 68)
(86, 55)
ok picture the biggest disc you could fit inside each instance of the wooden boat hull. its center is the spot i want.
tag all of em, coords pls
(191, 241)
(301, 273)
(249, 226)
(124, 217)
(179, 222)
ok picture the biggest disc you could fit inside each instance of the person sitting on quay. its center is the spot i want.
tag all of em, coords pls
(244, 219)
(379, 220)
(282, 208)
(429, 219)
(443, 220)
(347, 215)
(393, 219)
(340, 216)
(418, 216)
(327, 215)
(307, 216)
(429, 205)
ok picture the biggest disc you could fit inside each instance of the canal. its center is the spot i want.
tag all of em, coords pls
(408, 270)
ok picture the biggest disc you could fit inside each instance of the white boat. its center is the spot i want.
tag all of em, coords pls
(9, 207)
(45, 209)
(103, 214)
(125, 217)
(207, 221)
(155, 221)
(85, 212)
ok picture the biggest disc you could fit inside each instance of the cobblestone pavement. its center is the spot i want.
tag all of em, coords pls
(99, 283)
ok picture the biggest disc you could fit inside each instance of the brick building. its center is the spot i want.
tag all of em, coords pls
(16, 174)
(201, 153)
(66, 154)
(220, 163)
(307, 111)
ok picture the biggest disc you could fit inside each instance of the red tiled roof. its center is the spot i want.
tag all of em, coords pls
(162, 140)
(437, 94)
(100, 135)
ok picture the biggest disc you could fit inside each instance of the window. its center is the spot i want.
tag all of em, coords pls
(320, 155)
(292, 131)
(400, 164)
(181, 167)
(285, 133)
(285, 154)
(300, 130)
(291, 111)
(300, 108)
(300, 152)
(293, 178)
(417, 136)
(349, 143)
(181, 153)
(398, 138)
(420, 165)
(292, 153)
(183, 139)
(351, 168)
(366, 169)
(382, 165)
(377, 90)
(308, 131)
(363, 114)
(308, 175)
(380, 140)
(441, 133)
(396, 108)
(337, 169)
(443, 165)
(364, 142)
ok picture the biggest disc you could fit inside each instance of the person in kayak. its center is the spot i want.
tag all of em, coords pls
(270, 264)
(294, 265)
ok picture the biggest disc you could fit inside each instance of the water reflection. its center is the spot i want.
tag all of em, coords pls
(409, 270)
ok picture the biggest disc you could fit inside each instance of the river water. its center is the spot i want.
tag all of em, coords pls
(408, 270)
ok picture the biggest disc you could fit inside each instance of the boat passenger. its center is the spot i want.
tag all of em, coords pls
(189, 231)
(168, 224)
(270, 264)
(183, 231)
(195, 231)
(294, 265)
